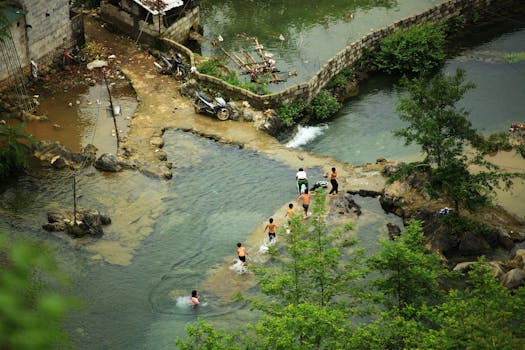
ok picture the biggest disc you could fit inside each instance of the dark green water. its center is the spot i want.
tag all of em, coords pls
(313, 31)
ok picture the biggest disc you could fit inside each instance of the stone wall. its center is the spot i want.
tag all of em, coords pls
(180, 30)
(349, 55)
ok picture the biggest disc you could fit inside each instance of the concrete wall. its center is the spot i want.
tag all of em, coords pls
(349, 55)
(51, 30)
(130, 20)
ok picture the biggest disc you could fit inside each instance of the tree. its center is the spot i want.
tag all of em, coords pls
(435, 123)
(203, 336)
(484, 315)
(416, 50)
(408, 275)
(15, 149)
(30, 308)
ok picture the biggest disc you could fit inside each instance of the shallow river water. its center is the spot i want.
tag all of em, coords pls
(168, 237)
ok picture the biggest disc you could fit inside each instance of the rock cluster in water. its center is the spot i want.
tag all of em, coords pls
(88, 222)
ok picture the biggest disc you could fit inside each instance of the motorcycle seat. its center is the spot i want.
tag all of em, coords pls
(206, 98)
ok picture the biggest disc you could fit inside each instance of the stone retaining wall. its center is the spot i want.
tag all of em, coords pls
(348, 56)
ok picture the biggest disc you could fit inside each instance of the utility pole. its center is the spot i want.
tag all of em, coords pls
(74, 199)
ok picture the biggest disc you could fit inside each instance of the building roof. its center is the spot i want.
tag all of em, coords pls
(156, 6)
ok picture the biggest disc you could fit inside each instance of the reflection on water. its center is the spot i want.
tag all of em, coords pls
(313, 31)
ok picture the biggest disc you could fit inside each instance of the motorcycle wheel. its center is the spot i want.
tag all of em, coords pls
(181, 74)
(223, 114)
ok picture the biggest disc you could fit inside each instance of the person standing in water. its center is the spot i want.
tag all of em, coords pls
(302, 180)
(271, 229)
(305, 197)
(290, 213)
(194, 299)
(241, 253)
(335, 184)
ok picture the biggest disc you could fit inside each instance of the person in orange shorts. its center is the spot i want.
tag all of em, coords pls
(271, 229)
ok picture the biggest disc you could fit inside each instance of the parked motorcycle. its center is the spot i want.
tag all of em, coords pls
(216, 106)
(75, 56)
(171, 66)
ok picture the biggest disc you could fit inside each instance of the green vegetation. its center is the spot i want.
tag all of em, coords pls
(340, 79)
(15, 149)
(514, 57)
(91, 4)
(31, 310)
(417, 50)
(315, 297)
(291, 112)
(217, 68)
(442, 131)
(324, 105)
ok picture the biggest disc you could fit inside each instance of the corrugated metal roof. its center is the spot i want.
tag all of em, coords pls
(156, 6)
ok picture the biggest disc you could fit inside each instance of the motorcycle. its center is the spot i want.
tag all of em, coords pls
(75, 56)
(216, 106)
(171, 66)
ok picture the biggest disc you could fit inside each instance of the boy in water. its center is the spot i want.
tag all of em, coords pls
(271, 229)
(194, 299)
(306, 201)
(241, 253)
(290, 213)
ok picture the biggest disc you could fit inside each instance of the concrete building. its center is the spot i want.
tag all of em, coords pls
(147, 20)
(40, 30)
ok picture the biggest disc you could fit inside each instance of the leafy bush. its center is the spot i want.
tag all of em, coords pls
(210, 67)
(324, 105)
(15, 149)
(290, 112)
(340, 79)
(419, 49)
(514, 57)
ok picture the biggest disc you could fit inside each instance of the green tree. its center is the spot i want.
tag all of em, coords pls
(31, 310)
(416, 50)
(203, 336)
(408, 275)
(15, 149)
(434, 121)
(482, 316)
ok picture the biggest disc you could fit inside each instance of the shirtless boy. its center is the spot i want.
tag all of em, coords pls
(271, 229)
(241, 252)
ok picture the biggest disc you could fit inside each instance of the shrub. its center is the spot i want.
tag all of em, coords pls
(324, 105)
(210, 67)
(15, 149)
(514, 57)
(418, 50)
(290, 112)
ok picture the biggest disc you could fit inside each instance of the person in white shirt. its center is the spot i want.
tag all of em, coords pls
(302, 181)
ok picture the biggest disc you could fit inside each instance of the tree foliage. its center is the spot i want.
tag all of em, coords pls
(408, 275)
(434, 121)
(30, 308)
(15, 149)
(416, 50)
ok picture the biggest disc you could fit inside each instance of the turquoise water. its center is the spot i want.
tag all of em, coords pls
(361, 131)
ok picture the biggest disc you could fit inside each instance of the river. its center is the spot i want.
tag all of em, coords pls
(167, 237)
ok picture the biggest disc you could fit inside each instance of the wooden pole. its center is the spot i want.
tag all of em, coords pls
(112, 112)
(75, 199)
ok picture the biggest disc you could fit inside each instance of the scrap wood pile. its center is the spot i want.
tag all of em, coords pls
(262, 65)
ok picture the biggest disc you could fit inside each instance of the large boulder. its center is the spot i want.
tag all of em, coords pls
(108, 162)
(472, 244)
(344, 204)
(514, 278)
